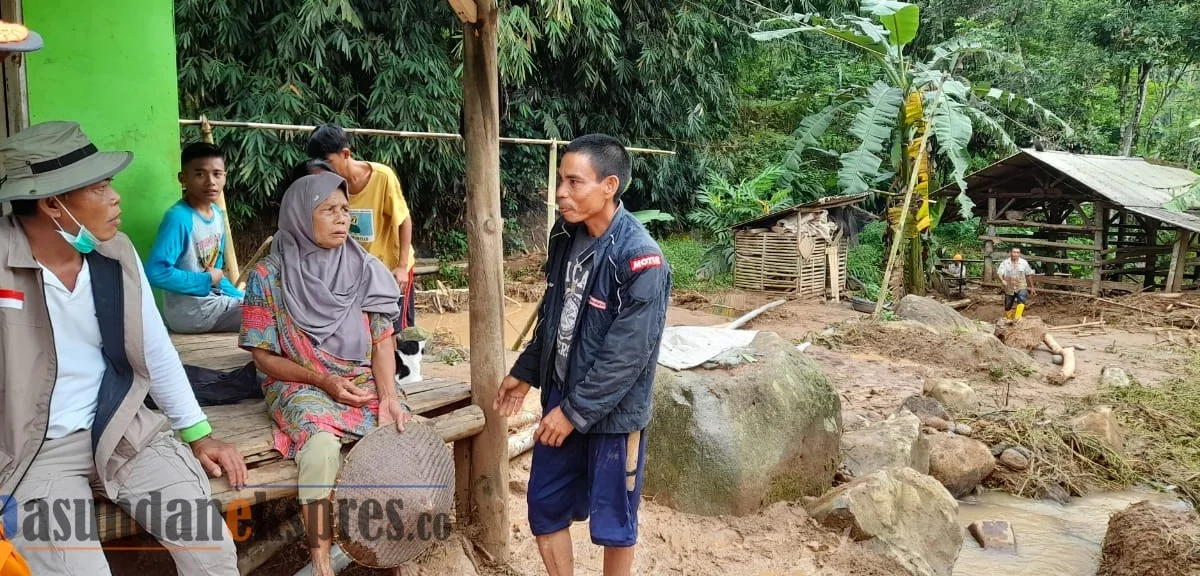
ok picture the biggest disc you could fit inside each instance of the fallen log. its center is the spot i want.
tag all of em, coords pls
(1052, 344)
(1068, 368)
(960, 303)
(753, 314)
(264, 548)
(520, 443)
(1080, 325)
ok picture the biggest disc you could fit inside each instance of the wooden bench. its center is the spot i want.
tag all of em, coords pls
(444, 403)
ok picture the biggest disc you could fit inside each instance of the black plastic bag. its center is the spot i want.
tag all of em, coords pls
(215, 388)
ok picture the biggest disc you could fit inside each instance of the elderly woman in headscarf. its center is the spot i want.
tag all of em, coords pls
(317, 317)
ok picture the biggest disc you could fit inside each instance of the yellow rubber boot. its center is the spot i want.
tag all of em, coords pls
(1020, 310)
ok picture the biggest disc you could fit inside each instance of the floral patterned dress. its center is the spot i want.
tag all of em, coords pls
(300, 410)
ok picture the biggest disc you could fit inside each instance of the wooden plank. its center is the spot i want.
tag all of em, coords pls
(484, 223)
(277, 479)
(1100, 213)
(1036, 258)
(989, 246)
(1086, 283)
(1045, 225)
(1036, 242)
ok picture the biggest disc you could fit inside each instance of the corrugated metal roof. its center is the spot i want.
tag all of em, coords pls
(1125, 181)
(819, 204)
(1177, 219)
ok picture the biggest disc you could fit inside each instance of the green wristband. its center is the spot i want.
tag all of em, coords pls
(195, 431)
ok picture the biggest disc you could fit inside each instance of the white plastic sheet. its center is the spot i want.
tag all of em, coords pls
(685, 347)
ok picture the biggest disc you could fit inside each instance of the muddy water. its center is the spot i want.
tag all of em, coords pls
(515, 317)
(1063, 540)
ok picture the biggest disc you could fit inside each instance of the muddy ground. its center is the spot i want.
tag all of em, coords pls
(873, 379)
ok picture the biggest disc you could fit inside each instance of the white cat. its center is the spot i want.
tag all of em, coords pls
(408, 361)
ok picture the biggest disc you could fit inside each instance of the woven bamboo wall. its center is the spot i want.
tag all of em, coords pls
(770, 262)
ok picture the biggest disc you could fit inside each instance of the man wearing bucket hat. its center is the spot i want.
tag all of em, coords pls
(83, 345)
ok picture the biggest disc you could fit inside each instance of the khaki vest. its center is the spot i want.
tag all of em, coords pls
(29, 366)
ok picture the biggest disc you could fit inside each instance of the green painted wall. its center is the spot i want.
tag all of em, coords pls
(110, 65)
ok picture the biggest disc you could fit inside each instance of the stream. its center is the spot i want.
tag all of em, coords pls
(1052, 538)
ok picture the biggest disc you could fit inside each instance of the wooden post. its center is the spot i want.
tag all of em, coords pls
(1100, 217)
(231, 263)
(1183, 239)
(489, 449)
(989, 246)
(1150, 226)
(551, 191)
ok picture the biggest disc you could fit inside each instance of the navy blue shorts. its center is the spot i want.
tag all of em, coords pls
(1019, 298)
(585, 479)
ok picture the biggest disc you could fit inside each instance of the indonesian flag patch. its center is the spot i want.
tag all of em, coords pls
(643, 262)
(597, 303)
(12, 299)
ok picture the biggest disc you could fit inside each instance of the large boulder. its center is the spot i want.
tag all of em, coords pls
(953, 394)
(900, 513)
(732, 440)
(959, 463)
(1147, 539)
(932, 313)
(1100, 423)
(896, 441)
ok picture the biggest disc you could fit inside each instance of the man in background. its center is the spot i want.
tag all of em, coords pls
(1016, 275)
(188, 255)
(379, 217)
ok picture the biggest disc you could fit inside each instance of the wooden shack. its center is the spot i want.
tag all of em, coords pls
(799, 251)
(1087, 223)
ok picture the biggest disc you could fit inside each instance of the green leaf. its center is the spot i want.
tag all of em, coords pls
(872, 126)
(1194, 123)
(901, 19)
(953, 129)
(875, 121)
(1009, 99)
(648, 216)
(988, 126)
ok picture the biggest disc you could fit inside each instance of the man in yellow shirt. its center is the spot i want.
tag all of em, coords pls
(379, 216)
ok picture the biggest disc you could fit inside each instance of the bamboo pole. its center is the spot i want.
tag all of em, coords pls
(394, 134)
(908, 194)
(231, 263)
(551, 191)
(488, 508)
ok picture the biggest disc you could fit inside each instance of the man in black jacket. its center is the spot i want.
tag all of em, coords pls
(592, 356)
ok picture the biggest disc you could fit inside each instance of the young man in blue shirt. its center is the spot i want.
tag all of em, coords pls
(188, 253)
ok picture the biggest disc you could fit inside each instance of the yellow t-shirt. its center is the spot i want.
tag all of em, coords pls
(375, 216)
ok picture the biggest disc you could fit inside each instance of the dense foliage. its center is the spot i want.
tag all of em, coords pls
(685, 76)
(653, 74)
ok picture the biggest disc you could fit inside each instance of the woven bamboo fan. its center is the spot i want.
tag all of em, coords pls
(407, 481)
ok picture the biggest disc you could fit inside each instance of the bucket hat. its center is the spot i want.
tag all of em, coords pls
(17, 38)
(52, 158)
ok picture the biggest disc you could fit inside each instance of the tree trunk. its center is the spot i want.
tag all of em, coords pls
(489, 449)
(1130, 135)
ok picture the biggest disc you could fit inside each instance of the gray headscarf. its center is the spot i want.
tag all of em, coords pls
(326, 291)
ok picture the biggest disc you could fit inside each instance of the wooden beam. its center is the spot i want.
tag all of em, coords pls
(1035, 242)
(1048, 226)
(1183, 239)
(489, 451)
(989, 246)
(1068, 261)
(466, 10)
(1085, 283)
(231, 269)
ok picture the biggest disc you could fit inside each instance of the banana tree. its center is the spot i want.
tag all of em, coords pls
(891, 116)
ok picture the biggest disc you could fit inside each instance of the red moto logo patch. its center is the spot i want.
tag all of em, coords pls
(595, 302)
(639, 264)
